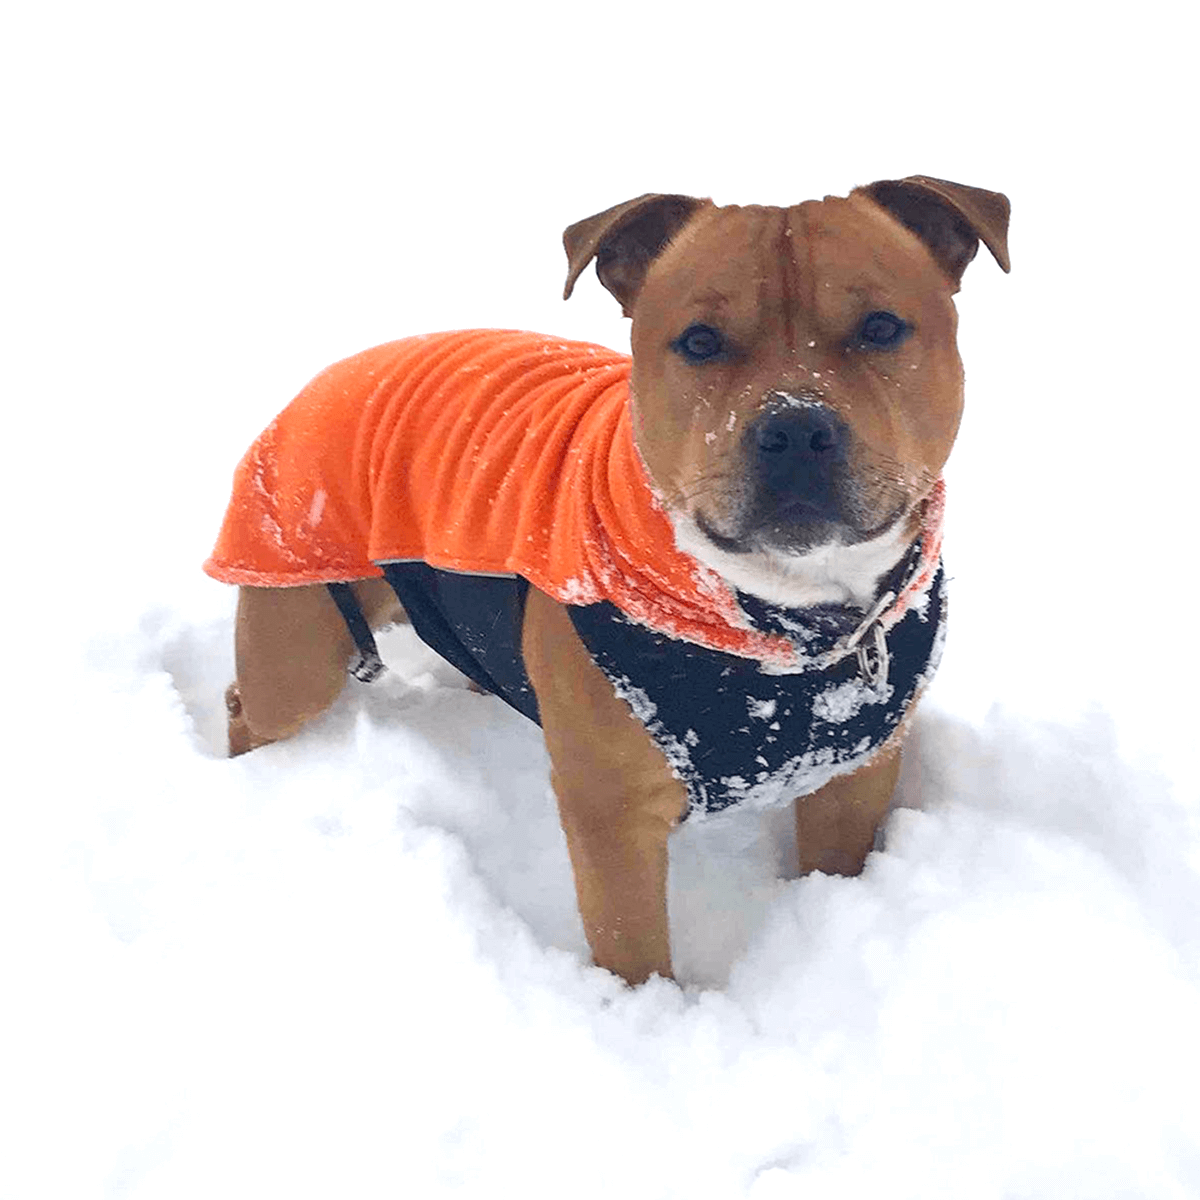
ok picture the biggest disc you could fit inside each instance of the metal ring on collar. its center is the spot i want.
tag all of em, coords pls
(875, 667)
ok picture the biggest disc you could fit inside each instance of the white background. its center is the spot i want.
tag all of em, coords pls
(350, 966)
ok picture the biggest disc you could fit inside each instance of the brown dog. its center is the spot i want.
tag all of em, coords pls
(795, 390)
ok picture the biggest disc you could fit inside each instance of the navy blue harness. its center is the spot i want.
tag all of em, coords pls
(733, 732)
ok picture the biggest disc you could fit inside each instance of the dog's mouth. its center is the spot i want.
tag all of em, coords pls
(804, 560)
(795, 528)
(730, 545)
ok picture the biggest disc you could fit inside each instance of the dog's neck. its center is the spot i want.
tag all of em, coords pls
(824, 633)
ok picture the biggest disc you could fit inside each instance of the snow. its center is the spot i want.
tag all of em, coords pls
(842, 701)
(350, 965)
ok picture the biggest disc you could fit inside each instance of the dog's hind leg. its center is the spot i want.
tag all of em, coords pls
(292, 649)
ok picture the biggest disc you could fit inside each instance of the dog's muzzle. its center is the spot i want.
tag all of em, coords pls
(796, 489)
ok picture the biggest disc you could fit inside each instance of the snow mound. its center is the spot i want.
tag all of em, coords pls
(351, 965)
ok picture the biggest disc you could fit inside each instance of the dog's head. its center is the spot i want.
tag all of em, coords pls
(796, 382)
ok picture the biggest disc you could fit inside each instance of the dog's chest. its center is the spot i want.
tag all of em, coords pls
(735, 733)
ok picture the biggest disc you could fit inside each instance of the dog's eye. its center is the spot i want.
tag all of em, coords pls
(883, 329)
(699, 343)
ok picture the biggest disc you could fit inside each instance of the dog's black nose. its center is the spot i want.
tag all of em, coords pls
(799, 458)
(798, 436)
(798, 454)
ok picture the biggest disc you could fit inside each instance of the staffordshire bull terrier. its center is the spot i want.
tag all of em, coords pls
(711, 571)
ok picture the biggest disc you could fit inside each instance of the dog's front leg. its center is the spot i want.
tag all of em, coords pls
(617, 797)
(618, 848)
(836, 825)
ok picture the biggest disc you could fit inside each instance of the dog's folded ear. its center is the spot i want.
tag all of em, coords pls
(624, 241)
(950, 218)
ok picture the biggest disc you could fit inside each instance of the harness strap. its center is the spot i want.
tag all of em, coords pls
(368, 665)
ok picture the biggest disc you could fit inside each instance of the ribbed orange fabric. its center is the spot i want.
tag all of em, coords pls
(481, 451)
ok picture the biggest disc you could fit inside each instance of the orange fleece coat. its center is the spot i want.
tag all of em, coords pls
(485, 451)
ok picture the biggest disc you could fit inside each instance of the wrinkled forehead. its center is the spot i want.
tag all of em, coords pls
(753, 255)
